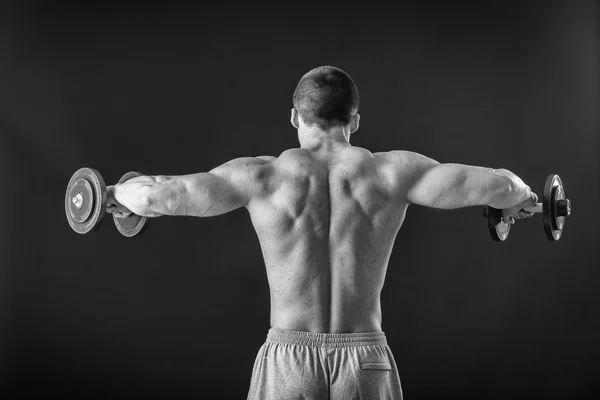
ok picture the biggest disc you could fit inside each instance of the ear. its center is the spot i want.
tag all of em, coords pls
(294, 119)
(354, 123)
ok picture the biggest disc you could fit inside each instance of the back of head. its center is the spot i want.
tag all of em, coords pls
(326, 96)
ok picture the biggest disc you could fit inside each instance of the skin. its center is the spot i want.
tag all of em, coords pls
(326, 215)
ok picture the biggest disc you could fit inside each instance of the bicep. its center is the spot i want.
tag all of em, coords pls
(449, 186)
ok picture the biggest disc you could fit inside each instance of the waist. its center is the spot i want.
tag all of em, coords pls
(326, 340)
(324, 318)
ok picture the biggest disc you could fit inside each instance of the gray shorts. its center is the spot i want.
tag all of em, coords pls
(305, 365)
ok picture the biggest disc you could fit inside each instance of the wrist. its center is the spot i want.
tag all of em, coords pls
(110, 194)
(114, 192)
(522, 192)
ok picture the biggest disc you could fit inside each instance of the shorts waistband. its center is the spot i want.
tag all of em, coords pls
(327, 340)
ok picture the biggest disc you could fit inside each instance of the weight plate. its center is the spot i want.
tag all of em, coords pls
(558, 193)
(498, 229)
(553, 191)
(85, 200)
(82, 200)
(134, 225)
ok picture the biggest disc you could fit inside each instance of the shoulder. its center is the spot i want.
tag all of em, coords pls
(357, 160)
(401, 168)
(294, 159)
(246, 169)
(294, 153)
(266, 158)
(249, 162)
(358, 153)
(406, 160)
(401, 156)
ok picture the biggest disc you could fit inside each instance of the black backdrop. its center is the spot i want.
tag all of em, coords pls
(167, 88)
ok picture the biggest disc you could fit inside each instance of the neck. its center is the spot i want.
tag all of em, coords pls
(315, 139)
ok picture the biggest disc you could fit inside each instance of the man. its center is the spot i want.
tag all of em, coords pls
(326, 215)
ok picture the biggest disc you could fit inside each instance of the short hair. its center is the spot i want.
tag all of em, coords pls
(326, 96)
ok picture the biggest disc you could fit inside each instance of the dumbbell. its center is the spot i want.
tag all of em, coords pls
(85, 204)
(555, 208)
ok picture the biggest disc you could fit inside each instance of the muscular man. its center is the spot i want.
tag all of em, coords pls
(326, 215)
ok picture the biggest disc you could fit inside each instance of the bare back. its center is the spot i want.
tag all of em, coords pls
(327, 227)
(326, 219)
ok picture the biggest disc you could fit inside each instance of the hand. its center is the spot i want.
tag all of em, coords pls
(113, 206)
(509, 215)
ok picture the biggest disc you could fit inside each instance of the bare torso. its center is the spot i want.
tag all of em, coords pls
(327, 227)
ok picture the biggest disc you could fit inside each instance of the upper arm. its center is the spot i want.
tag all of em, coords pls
(446, 186)
(225, 188)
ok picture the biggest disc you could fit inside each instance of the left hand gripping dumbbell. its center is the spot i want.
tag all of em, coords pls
(85, 204)
(555, 208)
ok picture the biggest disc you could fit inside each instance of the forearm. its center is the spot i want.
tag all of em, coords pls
(148, 196)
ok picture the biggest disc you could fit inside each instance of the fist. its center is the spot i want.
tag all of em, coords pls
(509, 215)
(113, 206)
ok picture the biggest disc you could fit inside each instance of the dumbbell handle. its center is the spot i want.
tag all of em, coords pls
(535, 209)
(563, 208)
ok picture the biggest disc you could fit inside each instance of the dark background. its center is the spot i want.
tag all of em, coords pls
(167, 88)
